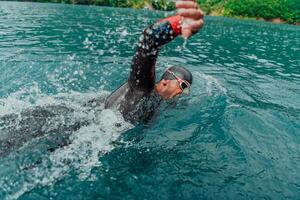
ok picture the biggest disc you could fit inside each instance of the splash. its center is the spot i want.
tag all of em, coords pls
(33, 166)
(213, 86)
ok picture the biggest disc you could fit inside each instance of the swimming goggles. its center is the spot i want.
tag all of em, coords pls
(184, 85)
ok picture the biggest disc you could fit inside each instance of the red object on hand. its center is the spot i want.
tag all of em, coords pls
(175, 22)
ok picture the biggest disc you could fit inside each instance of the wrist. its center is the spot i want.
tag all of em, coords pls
(175, 22)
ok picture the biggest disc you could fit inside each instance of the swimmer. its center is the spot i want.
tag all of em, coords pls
(138, 98)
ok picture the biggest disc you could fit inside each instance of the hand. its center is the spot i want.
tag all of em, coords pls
(192, 17)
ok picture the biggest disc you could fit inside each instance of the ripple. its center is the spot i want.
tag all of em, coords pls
(236, 134)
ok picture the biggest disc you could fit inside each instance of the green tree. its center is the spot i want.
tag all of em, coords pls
(291, 12)
(163, 4)
(119, 3)
(285, 9)
(102, 2)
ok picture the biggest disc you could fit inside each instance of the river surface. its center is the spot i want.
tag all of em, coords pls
(237, 136)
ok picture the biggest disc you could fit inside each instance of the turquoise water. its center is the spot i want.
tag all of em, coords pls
(235, 137)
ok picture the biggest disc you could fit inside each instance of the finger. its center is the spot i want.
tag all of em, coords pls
(197, 26)
(186, 33)
(186, 4)
(193, 27)
(191, 13)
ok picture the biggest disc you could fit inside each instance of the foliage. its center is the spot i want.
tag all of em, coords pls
(163, 4)
(210, 6)
(288, 10)
(291, 13)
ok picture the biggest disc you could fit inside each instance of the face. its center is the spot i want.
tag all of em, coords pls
(168, 88)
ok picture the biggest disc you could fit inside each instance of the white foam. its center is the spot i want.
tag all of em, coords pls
(87, 143)
(19, 100)
(211, 83)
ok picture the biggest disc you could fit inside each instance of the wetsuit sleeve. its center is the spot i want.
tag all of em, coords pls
(142, 75)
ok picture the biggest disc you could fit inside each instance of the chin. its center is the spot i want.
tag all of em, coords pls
(166, 98)
(169, 97)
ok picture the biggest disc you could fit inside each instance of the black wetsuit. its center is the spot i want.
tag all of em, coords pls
(137, 99)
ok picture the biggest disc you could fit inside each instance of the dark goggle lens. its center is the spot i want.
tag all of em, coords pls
(183, 85)
(185, 88)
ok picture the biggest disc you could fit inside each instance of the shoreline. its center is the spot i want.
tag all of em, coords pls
(275, 20)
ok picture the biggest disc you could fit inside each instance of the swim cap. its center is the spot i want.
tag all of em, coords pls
(181, 72)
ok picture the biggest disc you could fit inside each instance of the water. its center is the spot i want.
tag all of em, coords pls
(235, 137)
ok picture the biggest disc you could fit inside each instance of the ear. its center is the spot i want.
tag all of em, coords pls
(165, 82)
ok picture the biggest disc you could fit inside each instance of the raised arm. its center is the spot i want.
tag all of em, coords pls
(142, 76)
(188, 22)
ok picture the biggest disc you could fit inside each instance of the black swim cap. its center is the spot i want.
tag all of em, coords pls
(181, 72)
